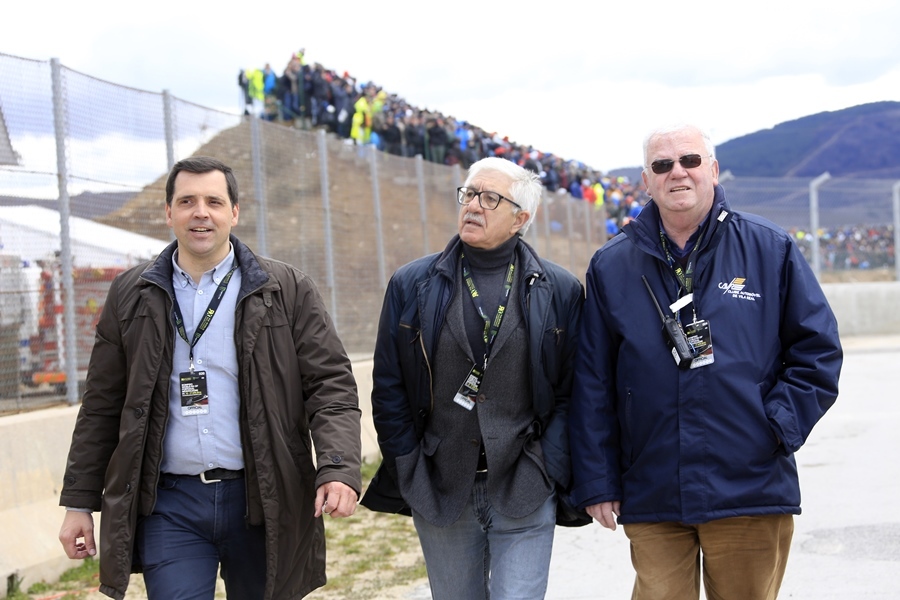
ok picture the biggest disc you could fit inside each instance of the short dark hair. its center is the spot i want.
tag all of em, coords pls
(202, 164)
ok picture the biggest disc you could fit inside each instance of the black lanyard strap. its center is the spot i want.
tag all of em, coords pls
(491, 326)
(207, 315)
(685, 274)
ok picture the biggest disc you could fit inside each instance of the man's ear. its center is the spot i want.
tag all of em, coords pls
(521, 218)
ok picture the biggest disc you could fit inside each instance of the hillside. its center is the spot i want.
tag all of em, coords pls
(859, 142)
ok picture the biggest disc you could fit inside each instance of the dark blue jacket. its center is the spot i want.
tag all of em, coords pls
(411, 319)
(719, 440)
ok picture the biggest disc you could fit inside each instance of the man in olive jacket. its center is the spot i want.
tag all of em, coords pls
(211, 369)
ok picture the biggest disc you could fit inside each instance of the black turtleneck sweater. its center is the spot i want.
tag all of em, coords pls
(489, 268)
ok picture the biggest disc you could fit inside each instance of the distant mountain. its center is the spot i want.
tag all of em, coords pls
(859, 142)
(862, 142)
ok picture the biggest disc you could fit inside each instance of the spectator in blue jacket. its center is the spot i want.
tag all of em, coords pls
(696, 455)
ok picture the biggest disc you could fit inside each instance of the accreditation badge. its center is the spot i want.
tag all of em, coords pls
(700, 338)
(469, 389)
(194, 393)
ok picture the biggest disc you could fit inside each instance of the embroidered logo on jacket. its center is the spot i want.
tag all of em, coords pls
(735, 288)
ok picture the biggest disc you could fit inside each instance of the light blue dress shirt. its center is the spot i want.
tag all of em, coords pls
(197, 443)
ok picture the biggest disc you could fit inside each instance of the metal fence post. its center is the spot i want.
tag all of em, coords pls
(896, 194)
(376, 200)
(326, 207)
(548, 254)
(604, 237)
(588, 229)
(570, 230)
(65, 239)
(814, 186)
(262, 213)
(420, 181)
(169, 125)
(456, 176)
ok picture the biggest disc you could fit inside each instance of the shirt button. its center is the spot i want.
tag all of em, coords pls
(206, 431)
(210, 465)
(200, 292)
(199, 362)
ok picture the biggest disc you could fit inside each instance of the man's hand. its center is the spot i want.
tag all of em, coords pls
(605, 513)
(335, 499)
(78, 526)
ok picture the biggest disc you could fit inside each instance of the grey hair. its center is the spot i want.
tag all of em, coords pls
(526, 188)
(677, 128)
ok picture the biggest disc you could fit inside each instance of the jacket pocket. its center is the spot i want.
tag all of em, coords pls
(628, 431)
(551, 346)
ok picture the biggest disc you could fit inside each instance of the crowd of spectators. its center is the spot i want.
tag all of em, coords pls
(311, 96)
(851, 247)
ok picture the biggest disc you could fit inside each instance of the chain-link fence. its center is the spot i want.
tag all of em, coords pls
(82, 175)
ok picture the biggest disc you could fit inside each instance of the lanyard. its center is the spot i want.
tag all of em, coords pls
(490, 327)
(207, 315)
(685, 275)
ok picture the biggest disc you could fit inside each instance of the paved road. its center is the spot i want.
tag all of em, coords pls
(847, 541)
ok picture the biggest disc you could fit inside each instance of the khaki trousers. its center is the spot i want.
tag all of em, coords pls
(743, 558)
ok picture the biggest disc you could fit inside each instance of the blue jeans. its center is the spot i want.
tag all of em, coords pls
(194, 527)
(488, 555)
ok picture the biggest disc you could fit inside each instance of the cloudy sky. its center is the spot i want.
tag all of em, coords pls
(584, 80)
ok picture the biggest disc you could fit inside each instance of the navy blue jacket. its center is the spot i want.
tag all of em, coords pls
(716, 441)
(411, 319)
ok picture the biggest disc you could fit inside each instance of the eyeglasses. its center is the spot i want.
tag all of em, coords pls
(487, 200)
(688, 161)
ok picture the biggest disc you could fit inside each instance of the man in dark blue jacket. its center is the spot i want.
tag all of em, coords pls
(472, 376)
(688, 434)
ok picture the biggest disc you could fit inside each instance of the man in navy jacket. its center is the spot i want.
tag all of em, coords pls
(471, 382)
(693, 450)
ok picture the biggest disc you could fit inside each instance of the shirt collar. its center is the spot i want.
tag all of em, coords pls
(180, 276)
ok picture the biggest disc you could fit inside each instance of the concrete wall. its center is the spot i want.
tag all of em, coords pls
(33, 446)
(865, 308)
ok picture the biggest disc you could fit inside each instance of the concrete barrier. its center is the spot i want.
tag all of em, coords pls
(33, 446)
(865, 308)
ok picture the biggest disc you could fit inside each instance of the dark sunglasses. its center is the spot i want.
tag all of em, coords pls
(688, 161)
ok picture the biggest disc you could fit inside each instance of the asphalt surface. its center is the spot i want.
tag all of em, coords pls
(846, 543)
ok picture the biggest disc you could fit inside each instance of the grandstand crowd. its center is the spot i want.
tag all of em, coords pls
(851, 247)
(311, 96)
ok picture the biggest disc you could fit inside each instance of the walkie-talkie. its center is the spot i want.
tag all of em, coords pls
(681, 350)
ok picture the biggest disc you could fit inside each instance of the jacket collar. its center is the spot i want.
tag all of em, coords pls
(253, 276)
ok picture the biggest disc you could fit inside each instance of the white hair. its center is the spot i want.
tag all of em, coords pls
(526, 188)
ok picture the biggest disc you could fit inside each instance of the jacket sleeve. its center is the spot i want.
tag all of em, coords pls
(96, 432)
(329, 389)
(565, 342)
(593, 422)
(391, 404)
(807, 385)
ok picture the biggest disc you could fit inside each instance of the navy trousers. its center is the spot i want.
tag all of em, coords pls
(196, 527)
